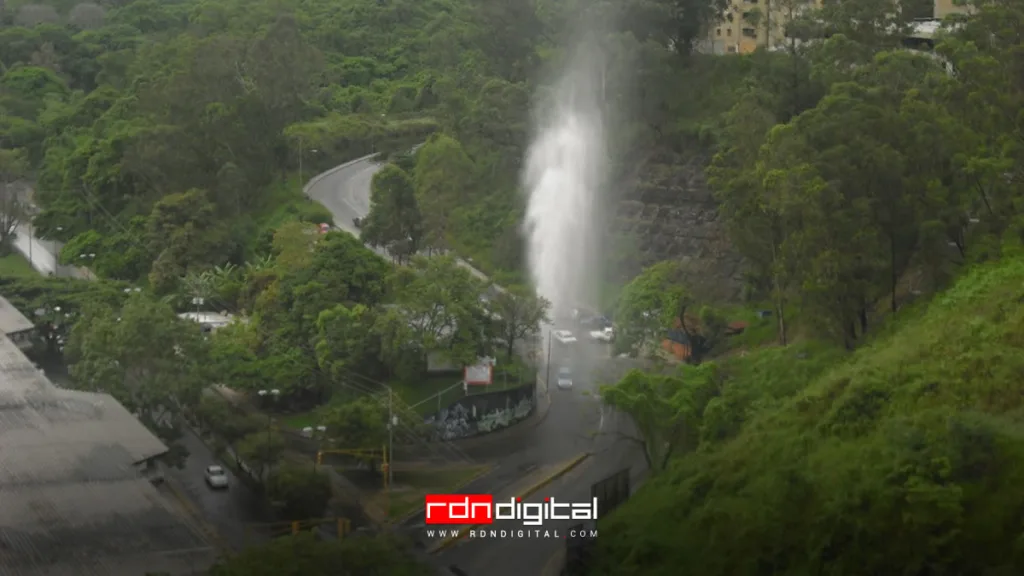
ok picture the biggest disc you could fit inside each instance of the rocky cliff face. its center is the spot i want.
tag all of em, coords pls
(670, 213)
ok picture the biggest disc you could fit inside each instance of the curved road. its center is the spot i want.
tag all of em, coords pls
(576, 422)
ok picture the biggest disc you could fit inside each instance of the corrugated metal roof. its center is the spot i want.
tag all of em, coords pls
(71, 500)
(11, 320)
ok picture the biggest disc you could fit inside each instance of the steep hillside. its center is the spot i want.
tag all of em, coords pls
(906, 458)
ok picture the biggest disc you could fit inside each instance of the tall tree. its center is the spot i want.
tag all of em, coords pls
(518, 313)
(394, 220)
(145, 356)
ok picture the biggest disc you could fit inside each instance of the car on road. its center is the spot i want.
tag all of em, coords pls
(216, 477)
(604, 335)
(564, 336)
(357, 222)
(564, 378)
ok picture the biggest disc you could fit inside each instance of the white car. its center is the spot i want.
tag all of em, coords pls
(606, 335)
(564, 336)
(216, 478)
(564, 378)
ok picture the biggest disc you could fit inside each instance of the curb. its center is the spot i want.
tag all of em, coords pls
(204, 527)
(449, 542)
(487, 470)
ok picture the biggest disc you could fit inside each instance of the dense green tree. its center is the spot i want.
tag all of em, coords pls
(517, 313)
(302, 492)
(444, 178)
(151, 361)
(55, 305)
(261, 450)
(361, 422)
(394, 221)
(437, 308)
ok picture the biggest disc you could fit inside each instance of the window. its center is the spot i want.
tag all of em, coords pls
(750, 33)
(718, 31)
(732, 49)
(730, 17)
(728, 32)
(750, 1)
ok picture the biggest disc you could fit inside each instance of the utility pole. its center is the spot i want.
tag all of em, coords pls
(301, 184)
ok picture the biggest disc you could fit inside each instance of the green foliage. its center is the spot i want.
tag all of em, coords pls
(517, 313)
(394, 221)
(301, 491)
(308, 555)
(55, 305)
(905, 454)
(143, 355)
(358, 423)
(261, 450)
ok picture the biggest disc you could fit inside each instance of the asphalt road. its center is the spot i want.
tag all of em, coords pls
(513, 556)
(229, 511)
(345, 191)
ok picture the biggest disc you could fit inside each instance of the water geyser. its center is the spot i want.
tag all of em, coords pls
(563, 177)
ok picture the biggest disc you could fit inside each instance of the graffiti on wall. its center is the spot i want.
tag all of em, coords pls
(482, 413)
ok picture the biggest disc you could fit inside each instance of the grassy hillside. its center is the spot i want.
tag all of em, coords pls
(907, 457)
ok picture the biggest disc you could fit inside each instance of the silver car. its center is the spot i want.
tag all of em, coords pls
(216, 478)
(564, 378)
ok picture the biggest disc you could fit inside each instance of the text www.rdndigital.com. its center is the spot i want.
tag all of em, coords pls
(496, 534)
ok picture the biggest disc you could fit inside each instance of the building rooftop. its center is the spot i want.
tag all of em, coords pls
(71, 499)
(11, 320)
(207, 317)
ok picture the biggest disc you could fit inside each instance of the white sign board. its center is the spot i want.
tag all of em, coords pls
(479, 374)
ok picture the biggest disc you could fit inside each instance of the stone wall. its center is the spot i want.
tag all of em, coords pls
(483, 413)
(670, 213)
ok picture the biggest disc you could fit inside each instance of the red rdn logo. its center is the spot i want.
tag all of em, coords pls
(448, 509)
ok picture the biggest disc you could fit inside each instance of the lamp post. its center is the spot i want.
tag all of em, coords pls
(547, 367)
(302, 183)
(392, 422)
(270, 419)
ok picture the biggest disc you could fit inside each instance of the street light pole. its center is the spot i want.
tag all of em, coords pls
(547, 368)
(270, 421)
(391, 434)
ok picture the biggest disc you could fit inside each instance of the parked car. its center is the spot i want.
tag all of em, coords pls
(605, 335)
(564, 378)
(216, 477)
(564, 336)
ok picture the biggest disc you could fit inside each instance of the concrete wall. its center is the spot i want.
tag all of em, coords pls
(670, 214)
(483, 413)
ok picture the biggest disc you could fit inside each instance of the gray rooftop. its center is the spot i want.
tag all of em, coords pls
(11, 320)
(71, 499)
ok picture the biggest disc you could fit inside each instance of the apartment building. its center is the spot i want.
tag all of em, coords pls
(748, 24)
